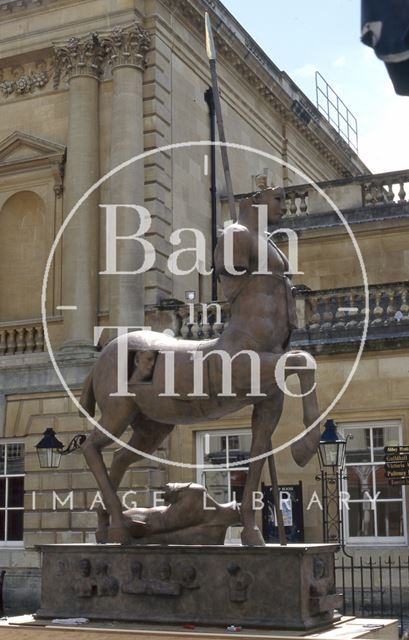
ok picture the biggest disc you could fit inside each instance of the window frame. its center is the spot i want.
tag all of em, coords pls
(365, 541)
(200, 453)
(12, 544)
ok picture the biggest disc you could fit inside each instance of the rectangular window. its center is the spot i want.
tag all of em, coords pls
(376, 512)
(11, 492)
(224, 483)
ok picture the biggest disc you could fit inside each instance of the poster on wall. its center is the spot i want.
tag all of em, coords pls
(292, 510)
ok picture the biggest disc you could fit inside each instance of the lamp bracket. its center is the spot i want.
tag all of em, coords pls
(75, 444)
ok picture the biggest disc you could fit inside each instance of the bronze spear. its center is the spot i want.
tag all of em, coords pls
(211, 54)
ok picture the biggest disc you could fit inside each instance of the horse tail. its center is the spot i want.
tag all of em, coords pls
(87, 399)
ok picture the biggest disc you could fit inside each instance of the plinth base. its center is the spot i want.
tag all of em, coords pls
(27, 628)
(272, 587)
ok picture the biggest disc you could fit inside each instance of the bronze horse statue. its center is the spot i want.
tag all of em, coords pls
(262, 319)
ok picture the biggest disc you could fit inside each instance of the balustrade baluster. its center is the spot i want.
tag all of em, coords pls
(341, 302)
(373, 192)
(314, 321)
(218, 329)
(3, 342)
(11, 341)
(402, 192)
(362, 309)
(208, 328)
(226, 309)
(185, 329)
(352, 319)
(390, 196)
(380, 193)
(303, 203)
(327, 315)
(39, 339)
(195, 331)
(390, 308)
(404, 307)
(367, 194)
(284, 207)
(293, 204)
(20, 342)
(30, 339)
(378, 309)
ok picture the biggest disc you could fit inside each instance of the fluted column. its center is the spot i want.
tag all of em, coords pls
(125, 48)
(80, 61)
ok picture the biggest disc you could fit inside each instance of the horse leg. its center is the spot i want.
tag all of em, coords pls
(304, 449)
(92, 448)
(117, 414)
(266, 415)
(146, 437)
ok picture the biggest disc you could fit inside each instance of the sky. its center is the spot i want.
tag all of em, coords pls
(302, 36)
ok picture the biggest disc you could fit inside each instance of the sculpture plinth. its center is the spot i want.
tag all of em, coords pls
(270, 587)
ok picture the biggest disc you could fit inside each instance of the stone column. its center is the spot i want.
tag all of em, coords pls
(80, 60)
(125, 48)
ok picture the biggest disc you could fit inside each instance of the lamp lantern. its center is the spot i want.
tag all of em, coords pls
(49, 450)
(332, 447)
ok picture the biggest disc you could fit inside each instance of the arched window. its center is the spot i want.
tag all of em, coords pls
(23, 253)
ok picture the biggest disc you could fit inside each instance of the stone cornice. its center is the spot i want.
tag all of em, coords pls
(125, 46)
(78, 57)
(236, 48)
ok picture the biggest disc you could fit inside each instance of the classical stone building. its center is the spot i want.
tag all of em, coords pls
(88, 85)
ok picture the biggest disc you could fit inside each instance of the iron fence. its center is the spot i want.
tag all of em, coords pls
(374, 587)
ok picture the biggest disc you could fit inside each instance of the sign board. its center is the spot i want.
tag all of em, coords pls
(292, 510)
(398, 450)
(396, 459)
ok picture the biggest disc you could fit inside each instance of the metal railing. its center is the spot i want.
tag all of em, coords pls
(335, 110)
(374, 587)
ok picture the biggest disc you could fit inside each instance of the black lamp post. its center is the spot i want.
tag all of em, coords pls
(331, 453)
(50, 449)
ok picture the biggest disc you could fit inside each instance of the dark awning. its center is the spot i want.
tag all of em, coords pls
(385, 28)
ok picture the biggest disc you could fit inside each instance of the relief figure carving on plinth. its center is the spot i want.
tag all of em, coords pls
(163, 584)
(135, 585)
(107, 585)
(239, 582)
(85, 586)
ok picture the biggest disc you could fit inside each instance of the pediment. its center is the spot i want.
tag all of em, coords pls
(22, 150)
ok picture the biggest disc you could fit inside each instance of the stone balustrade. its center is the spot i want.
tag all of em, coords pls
(21, 338)
(344, 309)
(386, 188)
(390, 188)
(296, 202)
(208, 322)
(327, 314)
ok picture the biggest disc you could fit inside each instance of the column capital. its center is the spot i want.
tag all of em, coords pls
(126, 46)
(78, 57)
